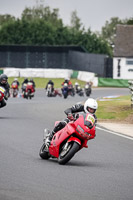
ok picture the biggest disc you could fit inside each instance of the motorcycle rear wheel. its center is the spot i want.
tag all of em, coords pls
(43, 153)
(66, 154)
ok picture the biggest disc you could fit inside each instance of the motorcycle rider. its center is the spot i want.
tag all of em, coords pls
(15, 81)
(70, 86)
(50, 82)
(76, 86)
(67, 80)
(90, 106)
(24, 82)
(4, 83)
(88, 85)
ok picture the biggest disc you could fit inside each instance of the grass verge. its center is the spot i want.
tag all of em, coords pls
(118, 109)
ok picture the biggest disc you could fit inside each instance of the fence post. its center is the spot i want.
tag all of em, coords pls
(131, 91)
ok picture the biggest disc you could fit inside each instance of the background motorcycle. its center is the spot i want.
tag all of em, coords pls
(49, 91)
(80, 91)
(23, 89)
(14, 89)
(67, 90)
(52, 93)
(66, 142)
(87, 90)
(29, 91)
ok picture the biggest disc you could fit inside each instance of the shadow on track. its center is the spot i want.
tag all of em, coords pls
(74, 163)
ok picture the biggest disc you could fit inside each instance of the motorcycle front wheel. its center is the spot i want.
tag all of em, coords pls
(43, 153)
(67, 152)
(65, 95)
(14, 94)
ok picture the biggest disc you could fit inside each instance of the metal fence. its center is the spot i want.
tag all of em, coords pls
(61, 57)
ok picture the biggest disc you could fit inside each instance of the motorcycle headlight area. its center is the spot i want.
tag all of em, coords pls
(81, 131)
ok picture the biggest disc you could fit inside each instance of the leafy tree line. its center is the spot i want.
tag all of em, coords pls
(109, 30)
(41, 26)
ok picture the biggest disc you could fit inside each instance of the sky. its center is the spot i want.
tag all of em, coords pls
(92, 13)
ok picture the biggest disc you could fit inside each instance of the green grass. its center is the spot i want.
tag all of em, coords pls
(41, 82)
(118, 109)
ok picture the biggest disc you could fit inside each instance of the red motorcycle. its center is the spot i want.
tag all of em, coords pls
(2, 93)
(69, 140)
(14, 89)
(29, 91)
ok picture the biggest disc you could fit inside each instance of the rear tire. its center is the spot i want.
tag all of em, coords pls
(66, 154)
(43, 153)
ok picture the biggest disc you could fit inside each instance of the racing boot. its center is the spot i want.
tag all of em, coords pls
(47, 137)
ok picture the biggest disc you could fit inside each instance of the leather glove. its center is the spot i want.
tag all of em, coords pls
(70, 116)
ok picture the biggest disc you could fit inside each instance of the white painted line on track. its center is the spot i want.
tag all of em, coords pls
(118, 134)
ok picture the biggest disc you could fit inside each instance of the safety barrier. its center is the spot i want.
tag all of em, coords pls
(51, 73)
(109, 82)
(66, 73)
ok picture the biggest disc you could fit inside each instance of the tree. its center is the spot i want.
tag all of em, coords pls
(75, 21)
(44, 13)
(6, 18)
(41, 26)
(130, 21)
(109, 30)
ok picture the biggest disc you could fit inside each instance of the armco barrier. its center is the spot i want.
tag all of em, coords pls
(109, 82)
(52, 73)
(38, 72)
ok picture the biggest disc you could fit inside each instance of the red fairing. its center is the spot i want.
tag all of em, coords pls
(30, 87)
(75, 140)
(1, 96)
(58, 138)
(76, 131)
(14, 86)
(84, 130)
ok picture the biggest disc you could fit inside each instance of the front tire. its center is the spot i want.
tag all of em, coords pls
(65, 95)
(67, 153)
(43, 153)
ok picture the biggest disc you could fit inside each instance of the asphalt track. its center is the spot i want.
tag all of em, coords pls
(104, 171)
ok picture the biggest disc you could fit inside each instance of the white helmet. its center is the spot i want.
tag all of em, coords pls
(90, 103)
(67, 79)
(76, 83)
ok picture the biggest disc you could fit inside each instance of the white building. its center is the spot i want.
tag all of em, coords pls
(123, 53)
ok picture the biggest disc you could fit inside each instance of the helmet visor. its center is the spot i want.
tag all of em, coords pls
(4, 81)
(91, 110)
